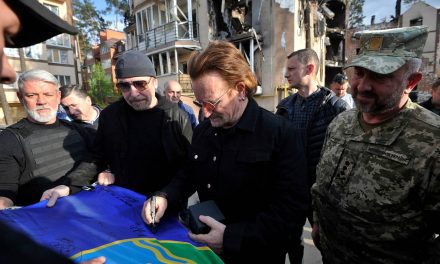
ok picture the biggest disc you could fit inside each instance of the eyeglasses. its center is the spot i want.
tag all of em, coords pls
(139, 85)
(211, 106)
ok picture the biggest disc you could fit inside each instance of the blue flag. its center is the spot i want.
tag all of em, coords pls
(107, 222)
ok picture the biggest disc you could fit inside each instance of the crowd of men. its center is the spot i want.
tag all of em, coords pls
(363, 168)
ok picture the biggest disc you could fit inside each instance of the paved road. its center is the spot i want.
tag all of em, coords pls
(311, 253)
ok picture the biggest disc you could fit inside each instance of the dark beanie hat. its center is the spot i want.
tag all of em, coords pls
(134, 64)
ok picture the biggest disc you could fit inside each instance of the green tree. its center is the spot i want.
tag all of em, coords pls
(119, 8)
(356, 14)
(89, 21)
(100, 85)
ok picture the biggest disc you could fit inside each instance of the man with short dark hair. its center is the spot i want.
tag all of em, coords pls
(142, 139)
(377, 191)
(339, 86)
(310, 110)
(433, 103)
(173, 91)
(78, 105)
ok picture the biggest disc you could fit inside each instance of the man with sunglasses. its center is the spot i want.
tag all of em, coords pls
(142, 139)
(245, 158)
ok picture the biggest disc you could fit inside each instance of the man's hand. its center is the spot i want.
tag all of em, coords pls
(214, 239)
(161, 206)
(98, 260)
(5, 202)
(106, 178)
(315, 236)
(53, 194)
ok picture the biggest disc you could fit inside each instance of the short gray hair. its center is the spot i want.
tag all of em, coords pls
(36, 75)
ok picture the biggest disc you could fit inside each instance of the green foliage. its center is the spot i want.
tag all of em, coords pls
(119, 8)
(356, 14)
(89, 21)
(100, 85)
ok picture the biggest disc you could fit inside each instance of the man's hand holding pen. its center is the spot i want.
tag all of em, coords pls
(153, 210)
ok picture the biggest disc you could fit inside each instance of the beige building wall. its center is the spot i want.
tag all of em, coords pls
(203, 20)
(428, 14)
(283, 32)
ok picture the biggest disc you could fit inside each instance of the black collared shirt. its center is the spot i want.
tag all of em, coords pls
(305, 107)
(256, 173)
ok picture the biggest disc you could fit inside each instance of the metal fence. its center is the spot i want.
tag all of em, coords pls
(166, 33)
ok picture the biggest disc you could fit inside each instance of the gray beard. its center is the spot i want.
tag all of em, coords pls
(37, 117)
(382, 106)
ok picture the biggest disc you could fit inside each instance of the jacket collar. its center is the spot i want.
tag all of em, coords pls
(248, 120)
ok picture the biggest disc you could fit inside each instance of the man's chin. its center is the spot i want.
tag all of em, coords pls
(43, 119)
(48, 117)
(216, 122)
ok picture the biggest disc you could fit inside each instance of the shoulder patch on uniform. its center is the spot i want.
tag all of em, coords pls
(428, 117)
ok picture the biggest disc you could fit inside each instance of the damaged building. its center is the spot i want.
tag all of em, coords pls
(336, 21)
(265, 31)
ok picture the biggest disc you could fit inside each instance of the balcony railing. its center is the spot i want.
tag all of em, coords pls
(167, 33)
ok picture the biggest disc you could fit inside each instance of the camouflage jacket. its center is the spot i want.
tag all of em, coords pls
(377, 193)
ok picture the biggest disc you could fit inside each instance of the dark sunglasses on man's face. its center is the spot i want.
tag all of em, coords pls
(139, 85)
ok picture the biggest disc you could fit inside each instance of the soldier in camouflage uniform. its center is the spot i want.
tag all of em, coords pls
(377, 191)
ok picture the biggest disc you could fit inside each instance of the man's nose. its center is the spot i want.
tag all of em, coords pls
(362, 83)
(41, 100)
(206, 112)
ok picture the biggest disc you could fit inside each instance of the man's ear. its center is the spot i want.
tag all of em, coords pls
(88, 100)
(241, 88)
(155, 82)
(413, 80)
(310, 69)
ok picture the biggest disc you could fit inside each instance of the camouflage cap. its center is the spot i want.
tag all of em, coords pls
(385, 51)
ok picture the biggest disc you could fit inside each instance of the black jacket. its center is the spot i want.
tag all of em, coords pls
(111, 142)
(330, 107)
(255, 173)
(428, 105)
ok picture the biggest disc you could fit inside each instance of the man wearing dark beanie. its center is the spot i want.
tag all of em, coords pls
(142, 139)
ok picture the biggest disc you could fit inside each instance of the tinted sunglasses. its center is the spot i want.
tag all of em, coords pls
(210, 106)
(139, 85)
